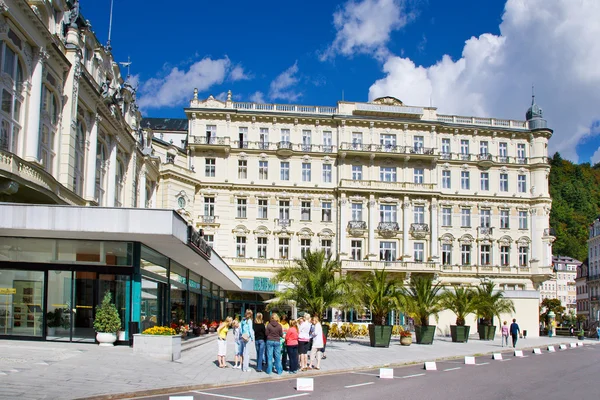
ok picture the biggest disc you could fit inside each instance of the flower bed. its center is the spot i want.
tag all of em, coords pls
(158, 342)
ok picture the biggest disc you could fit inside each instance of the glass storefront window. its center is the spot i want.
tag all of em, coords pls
(178, 293)
(154, 263)
(21, 303)
(24, 249)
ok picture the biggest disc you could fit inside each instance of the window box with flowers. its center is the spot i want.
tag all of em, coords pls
(161, 342)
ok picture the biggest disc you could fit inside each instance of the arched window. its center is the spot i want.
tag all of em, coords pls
(10, 110)
(100, 172)
(79, 159)
(119, 184)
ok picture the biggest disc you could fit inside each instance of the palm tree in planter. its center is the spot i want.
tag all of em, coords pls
(421, 300)
(378, 291)
(316, 283)
(462, 303)
(107, 321)
(489, 304)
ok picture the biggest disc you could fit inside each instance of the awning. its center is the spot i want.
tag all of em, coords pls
(162, 230)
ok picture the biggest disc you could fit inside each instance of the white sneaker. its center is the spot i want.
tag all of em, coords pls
(237, 366)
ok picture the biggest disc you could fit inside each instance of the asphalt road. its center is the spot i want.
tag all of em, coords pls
(565, 374)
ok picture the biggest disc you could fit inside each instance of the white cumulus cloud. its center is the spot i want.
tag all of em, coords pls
(552, 44)
(257, 97)
(176, 87)
(238, 74)
(283, 86)
(365, 27)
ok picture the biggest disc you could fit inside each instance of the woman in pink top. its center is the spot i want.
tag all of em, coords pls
(291, 341)
(504, 334)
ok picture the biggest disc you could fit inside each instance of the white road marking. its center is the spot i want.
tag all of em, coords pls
(359, 384)
(506, 359)
(410, 376)
(290, 396)
(365, 373)
(485, 363)
(222, 396)
(451, 369)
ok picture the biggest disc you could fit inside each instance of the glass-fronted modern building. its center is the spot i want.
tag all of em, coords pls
(56, 263)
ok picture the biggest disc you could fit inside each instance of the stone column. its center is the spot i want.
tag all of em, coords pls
(32, 141)
(111, 173)
(434, 229)
(373, 211)
(534, 256)
(154, 191)
(142, 187)
(343, 224)
(405, 229)
(92, 148)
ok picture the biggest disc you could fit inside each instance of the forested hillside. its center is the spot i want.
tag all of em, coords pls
(575, 192)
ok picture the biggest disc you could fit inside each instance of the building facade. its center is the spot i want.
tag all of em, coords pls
(593, 277)
(562, 285)
(379, 185)
(582, 295)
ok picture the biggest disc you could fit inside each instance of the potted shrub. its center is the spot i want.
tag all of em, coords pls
(378, 292)
(405, 338)
(107, 321)
(462, 303)
(581, 334)
(421, 300)
(53, 321)
(489, 304)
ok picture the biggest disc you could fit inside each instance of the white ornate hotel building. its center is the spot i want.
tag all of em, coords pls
(379, 185)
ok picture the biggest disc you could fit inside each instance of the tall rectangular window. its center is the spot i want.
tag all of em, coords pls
(502, 151)
(242, 169)
(418, 142)
(285, 136)
(504, 255)
(387, 174)
(357, 212)
(210, 240)
(446, 254)
(485, 181)
(521, 153)
(387, 251)
(464, 149)
(209, 168)
(327, 142)
(243, 138)
(326, 211)
(418, 175)
(523, 256)
(445, 148)
(263, 138)
(419, 214)
(211, 134)
(326, 247)
(483, 147)
(285, 170)
(446, 216)
(465, 217)
(504, 182)
(261, 247)
(284, 248)
(305, 210)
(327, 173)
(446, 180)
(263, 170)
(305, 172)
(387, 213)
(465, 254)
(357, 139)
(263, 208)
(240, 246)
(284, 209)
(304, 246)
(465, 182)
(241, 208)
(387, 142)
(356, 249)
(522, 219)
(209, 206)
(485, 218)
(419, 251)
(522, 183)
(504, 219)
(306, 140)
(357, 172)
(485, 254)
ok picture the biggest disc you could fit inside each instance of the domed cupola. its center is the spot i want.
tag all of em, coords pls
(534, 116)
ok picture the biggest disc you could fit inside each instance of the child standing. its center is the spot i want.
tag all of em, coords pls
(222, 341)
(238, 345)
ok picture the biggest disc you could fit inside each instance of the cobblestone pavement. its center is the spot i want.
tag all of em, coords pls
(50, 370)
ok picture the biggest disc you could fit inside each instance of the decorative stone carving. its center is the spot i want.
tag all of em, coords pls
(326, 234)
(262, 231)
(305, 233)
(466, 239)
(447, 238)
(240, 230)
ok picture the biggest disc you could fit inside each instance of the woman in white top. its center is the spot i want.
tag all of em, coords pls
(303, 340)
(317, 344)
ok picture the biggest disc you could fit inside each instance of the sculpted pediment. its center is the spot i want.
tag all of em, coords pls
(211, 102)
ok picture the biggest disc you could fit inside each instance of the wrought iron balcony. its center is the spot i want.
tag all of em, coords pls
(485, 230)
(263, 145)
(284, 146)
(420, 150)
(208, 219)
(211, 140)
(465, 157)
(357, 225)
(484, 157)
(306, 147)
(445, 156)
(419, 228)
(388, 227)
(284, 222)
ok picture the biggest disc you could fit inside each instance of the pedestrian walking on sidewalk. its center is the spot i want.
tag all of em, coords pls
(505, 334)
(247, 339)
(260, 338)
(222, 341)
(317, 344)
(515, 331)
(274, 334)
(291, 342)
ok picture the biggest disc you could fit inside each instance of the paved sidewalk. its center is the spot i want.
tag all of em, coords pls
(47, 370)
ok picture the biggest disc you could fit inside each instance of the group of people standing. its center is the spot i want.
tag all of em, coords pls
(280, 344)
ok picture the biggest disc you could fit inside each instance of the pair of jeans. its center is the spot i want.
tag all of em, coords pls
(274, 352)
(504, 339)
(261, 348)
(284, 357)
(292, 352)
(514, 338)
(246, 354)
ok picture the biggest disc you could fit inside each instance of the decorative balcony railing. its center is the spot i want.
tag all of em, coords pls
(385, 185)
(485, 230)
(222, 141)
(357, 225)
(208, 219)
(387, 148)
(284, 146)
(424, 228)
(504, 123)
(484, 157)
(283, 222)
(388, 227)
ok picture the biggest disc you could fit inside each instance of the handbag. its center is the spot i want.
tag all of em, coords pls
(246, 337)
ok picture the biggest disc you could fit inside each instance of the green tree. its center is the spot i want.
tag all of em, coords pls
(316, 283)
(377, 291)
(490, 303)
(421, 299)
(461, 302)
(107, 317)
(553, 305)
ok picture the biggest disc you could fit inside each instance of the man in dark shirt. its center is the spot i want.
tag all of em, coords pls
(515, 331)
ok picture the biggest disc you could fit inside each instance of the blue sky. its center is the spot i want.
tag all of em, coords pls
(477, 59)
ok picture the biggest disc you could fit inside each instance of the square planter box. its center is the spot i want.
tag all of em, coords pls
(163, 347)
